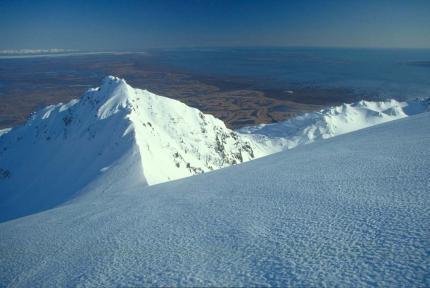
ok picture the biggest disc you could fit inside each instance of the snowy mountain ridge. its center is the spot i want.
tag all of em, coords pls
(115, 137)
(333, 121)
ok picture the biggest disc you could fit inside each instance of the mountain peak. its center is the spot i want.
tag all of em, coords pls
(112, 79)
(113, 95)
(114, 135)
(110, 83)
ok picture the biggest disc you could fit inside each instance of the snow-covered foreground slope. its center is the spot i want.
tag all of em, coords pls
(348, 211)
(113, 136)
(332, 121)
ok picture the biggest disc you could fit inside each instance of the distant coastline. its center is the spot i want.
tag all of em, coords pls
(241, 86)
(11, 54)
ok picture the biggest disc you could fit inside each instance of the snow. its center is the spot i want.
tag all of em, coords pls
(110, 130)
(116, 135)
(332, 122)
(34, 51)
(4, 131)
(347, 211)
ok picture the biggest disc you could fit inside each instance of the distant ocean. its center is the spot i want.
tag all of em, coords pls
(375, 73)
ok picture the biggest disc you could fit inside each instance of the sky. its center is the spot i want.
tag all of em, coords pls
(134, 25)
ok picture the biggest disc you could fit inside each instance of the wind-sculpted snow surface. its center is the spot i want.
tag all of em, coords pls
(332, 121)
(348, 211)
(115, 135)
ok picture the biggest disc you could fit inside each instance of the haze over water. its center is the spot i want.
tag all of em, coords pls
(373, 73)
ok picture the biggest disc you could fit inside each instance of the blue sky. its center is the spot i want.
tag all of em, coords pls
(129, 24)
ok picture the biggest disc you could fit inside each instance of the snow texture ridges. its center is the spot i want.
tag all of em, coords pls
(348, 211)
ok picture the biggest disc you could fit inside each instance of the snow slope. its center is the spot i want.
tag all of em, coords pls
(332, 121)
(115, 136)
(348, 211)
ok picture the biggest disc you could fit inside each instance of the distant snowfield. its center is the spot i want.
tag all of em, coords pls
(348, 211)
(62, 53)
(35, 51)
